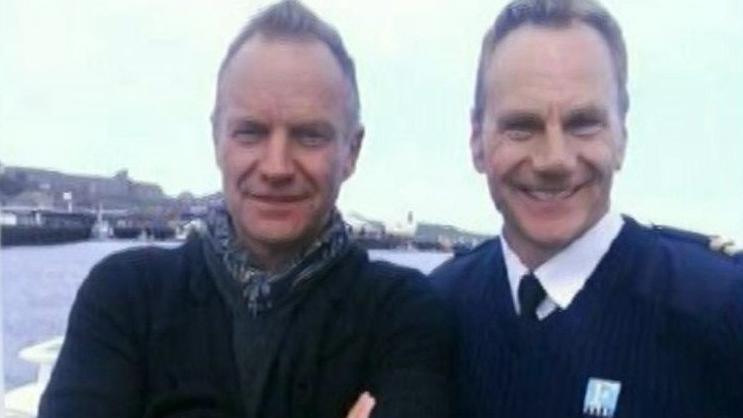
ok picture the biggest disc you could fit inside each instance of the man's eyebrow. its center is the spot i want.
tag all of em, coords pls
(586, 112)
(315, 125)
(237, 121)
(519, 118)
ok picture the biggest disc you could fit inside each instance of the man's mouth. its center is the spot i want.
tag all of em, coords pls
(551, 194)
(277, 198)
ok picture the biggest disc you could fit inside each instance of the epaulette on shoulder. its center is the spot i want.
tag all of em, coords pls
(714, 243)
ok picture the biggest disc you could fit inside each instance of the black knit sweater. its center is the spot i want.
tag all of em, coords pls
(150, 336)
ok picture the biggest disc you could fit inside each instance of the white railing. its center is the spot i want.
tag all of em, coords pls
(23, 401)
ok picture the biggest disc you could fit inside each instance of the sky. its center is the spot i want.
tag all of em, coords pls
(94, 86)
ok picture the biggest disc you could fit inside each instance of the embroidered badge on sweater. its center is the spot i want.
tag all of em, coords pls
(601, 398)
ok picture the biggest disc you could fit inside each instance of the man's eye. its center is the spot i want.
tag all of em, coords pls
(520, 128)
(585, 128)
(312, 137)
(518, 134)
(248, 135)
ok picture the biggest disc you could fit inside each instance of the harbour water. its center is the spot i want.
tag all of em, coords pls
(39, 285)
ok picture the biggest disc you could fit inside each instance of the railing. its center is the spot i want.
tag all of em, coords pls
(23, 401)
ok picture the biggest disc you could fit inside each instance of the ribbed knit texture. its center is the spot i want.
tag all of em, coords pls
(663, 318)
(151, 336)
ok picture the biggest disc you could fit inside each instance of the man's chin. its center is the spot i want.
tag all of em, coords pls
(278, 230)
(553, 236)
(275, 236)
(552, 243)
(546, 235)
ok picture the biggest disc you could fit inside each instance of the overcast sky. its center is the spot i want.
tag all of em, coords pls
(93, 86)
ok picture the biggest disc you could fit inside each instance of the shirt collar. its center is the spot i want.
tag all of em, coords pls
(565, 274)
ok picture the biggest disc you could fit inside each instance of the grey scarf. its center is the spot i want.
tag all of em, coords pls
(259, 287)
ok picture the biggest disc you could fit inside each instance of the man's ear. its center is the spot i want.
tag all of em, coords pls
(215, 140)
(476, 143)
(621, 147)
(354, 148)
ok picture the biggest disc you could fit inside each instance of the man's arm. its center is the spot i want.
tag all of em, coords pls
(730, 357)
(99, 370)
(412, 354)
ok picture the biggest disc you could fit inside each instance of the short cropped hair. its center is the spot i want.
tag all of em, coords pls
(555, 14)
(293, 20)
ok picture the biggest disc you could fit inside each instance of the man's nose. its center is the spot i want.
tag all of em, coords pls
(555, 154)
(276, 163)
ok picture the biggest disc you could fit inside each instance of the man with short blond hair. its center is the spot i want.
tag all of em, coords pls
(271, 310)
(575, 310)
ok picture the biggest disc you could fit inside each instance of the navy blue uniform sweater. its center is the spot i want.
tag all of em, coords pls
(662, 316)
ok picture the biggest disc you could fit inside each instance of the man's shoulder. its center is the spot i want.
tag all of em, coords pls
(381, 269)
(715, 243)
(701, 253)
(464, 264)
(135, 268)
(147, 257)
(381, 274)
(375, 281)
(402, 295)
(694, 278)
(467, 259)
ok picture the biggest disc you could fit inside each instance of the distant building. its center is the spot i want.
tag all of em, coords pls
(409, 233)
(403, 228)
(38, 187)
(363, 227)
(446, 236)
(32, 198)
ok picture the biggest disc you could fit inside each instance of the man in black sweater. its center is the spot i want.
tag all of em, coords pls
(576, 311)
(270, 311)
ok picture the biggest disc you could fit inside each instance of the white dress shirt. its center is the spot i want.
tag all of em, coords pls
(565, 274)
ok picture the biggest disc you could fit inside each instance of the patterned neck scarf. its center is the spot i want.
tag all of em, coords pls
(259, 287)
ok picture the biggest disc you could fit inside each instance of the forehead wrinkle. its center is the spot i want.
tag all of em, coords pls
(534, 84)
(533, 62)
(277, 96)
(545, 47)
(321, 81)
(276, 107)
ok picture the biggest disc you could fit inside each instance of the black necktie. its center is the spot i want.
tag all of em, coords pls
(531, 294)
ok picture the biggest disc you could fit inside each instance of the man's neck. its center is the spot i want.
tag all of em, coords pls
(564, 273)
(274, 258)
(533, 254)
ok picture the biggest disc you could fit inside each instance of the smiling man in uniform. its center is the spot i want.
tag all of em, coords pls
(271, 310)
(575, 310)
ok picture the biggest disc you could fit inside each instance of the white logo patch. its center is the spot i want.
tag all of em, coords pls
(601, 397)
